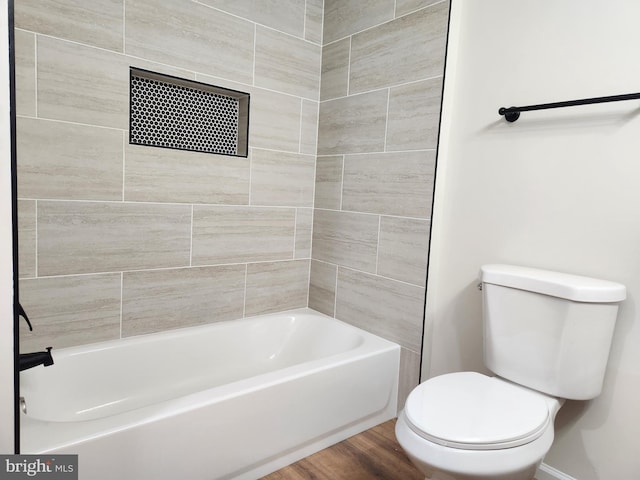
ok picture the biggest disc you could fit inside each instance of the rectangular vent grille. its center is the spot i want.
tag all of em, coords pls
(177, 113)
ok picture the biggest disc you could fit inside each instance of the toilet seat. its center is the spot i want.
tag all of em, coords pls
(471, 411)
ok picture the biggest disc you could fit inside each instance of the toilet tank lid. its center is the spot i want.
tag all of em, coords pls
(563, 285)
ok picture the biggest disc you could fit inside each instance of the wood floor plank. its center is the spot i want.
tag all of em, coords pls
(373, 454)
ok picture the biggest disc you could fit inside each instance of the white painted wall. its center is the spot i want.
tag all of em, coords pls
(558, 189)
(6, 250)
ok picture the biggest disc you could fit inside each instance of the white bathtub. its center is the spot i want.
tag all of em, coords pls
(237, 399)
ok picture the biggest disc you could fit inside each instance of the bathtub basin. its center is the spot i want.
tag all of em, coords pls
(229, 400)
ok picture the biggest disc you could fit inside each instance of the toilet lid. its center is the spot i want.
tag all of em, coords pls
(471, 411)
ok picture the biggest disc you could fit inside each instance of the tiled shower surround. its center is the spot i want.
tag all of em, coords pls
(330, 209)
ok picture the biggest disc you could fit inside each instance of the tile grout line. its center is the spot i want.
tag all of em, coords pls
(344, 160)
(121, 300)
(255, 42)
(125, 130)
(390, 215)
(335, 292)
(250, 159)
(322, 25)
(123, 162)
(124, 26)
(244, 298)
(246, 266)
(386, 121)
(304, 21)
(378, 244)
(348, 70)
(176, 204)
(191, 240)
(308, 282)
(386, 21)
(68, 122)
(377, 152)
(297, 37)
(301, 123)
(295, 233)
(35, 70)
(395, 85)
(36, 246)
(160, 269)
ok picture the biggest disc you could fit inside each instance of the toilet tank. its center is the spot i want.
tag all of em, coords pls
(549, 331)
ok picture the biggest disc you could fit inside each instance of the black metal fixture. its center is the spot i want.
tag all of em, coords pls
(512, 114)
(23, 314)
(30, 360)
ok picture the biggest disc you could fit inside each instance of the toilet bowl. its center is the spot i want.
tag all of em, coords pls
(547, 337)
(468, 426)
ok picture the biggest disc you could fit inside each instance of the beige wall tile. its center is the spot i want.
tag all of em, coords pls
(274, 121)
(67, 311)
(94, 23)
(286, 16)
(313, 21)
(398, 183)
(27, 238)
(353, 124)
(304, 226)
(385, 307)
(159, 300)
(403, 50)
(335, 69)
(409, 375)
(403, 249)
(276, 286)
(168, 175)
(191, 36)
(345, 17)
(82, 84)
(329, 182)
(414, 114)
(87, 237)
(87, 85)
(322, 287)
(287, 64)
(25, 52)
(279, 178)
(225, 83)
(394, 55)
(309, 129)
(242, 234)
(345, 238)
(162, 68)
(59, 160)
(406, 6)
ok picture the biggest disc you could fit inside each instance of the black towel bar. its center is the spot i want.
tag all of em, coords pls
(512, 114)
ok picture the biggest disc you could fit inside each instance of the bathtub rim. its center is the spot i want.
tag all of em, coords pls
(185, 330)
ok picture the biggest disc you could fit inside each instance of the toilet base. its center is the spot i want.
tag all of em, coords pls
(434, 474)
(444, 463)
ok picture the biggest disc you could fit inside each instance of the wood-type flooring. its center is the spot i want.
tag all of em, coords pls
(372, 454)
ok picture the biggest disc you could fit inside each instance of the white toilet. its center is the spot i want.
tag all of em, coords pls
(546, 337)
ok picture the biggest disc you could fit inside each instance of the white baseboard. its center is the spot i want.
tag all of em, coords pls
(545, 472)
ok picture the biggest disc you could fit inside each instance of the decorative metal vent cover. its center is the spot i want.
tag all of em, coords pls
(177, 113)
